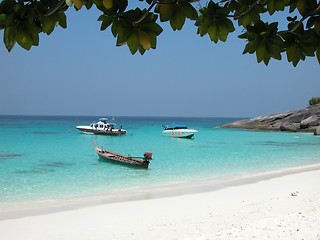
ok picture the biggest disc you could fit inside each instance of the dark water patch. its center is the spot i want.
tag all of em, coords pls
(220, 143)
(34, 171)
(284, 144)
(5, 125)
(44, 133)
(208, 146)
(201, 146)
(57, 164)
(4, 156)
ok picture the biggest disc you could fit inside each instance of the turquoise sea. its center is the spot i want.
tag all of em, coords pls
(46, 157)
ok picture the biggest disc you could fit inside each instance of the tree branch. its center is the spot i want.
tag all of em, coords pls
(298, 24)
(143, 16)
(246, 11)
(317, 10)
(56, 8)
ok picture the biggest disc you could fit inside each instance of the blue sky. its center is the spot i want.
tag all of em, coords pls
(80, 71)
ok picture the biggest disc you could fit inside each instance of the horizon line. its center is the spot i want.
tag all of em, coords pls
(111, 116)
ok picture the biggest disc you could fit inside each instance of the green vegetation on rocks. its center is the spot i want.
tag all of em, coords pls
(314, 101)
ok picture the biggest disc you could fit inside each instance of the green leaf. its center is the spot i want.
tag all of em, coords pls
(78, 4)
(203, 27)
(255, 17)
(213, 32)
(114, 28)
(133, 42)
(261, 52)
(35, 39)
(244, 35)
(271, 6)
(106, 22)
(275, 5)
(318, 54)
(301, 6)
(123, 34)
(32, 30)
(317, 26)
(62, 19)
(245, 20)
(132, 14)
(3, 20)
(69, 3)
(166, 12)
(102, 17)
(11, 18)
(223, 33)
(306, 6)
(229, 24)
(250, 47)
(24, 39)
(141, 50)
(48, 24)
(274, 51)
(17, 7)
(153, 38)
(152, 27)
(177, 21)
(31, 17)
(280, 5)
(9, 37)
(89, 4)
(188, 10)
(311, 21)
(225, 27)
(293, 53)
(7, 6)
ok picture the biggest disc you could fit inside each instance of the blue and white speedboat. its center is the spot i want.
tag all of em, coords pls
(178, 131)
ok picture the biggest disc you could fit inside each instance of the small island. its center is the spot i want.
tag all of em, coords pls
(304, 120)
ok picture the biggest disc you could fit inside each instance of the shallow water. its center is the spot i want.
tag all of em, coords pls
(46, 157)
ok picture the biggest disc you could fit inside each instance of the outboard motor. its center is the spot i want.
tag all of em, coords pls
(147, 155)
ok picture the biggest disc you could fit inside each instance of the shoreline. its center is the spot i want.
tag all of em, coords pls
(284, 207)
(43, 207)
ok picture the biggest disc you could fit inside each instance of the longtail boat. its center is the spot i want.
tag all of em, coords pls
(141, 162)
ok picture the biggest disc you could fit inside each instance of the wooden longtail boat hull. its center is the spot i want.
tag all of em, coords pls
(142, 162)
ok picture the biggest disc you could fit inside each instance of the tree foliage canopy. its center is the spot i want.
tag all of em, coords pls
(23, 21)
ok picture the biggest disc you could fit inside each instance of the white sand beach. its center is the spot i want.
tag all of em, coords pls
(281, 207)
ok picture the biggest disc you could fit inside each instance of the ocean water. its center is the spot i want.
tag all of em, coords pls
(46, 157)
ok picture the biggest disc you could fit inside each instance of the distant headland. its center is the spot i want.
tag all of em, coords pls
(304, 120)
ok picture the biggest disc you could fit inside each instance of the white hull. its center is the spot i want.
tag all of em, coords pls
(102, 127)
(179, 133)
(85, 129)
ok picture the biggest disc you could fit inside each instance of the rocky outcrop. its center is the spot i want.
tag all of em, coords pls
(305, 120)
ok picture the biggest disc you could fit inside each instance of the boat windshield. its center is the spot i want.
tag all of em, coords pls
(104, 120)
(175, 127)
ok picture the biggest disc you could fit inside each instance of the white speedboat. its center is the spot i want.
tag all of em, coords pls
(178, 131)
(102, 127)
